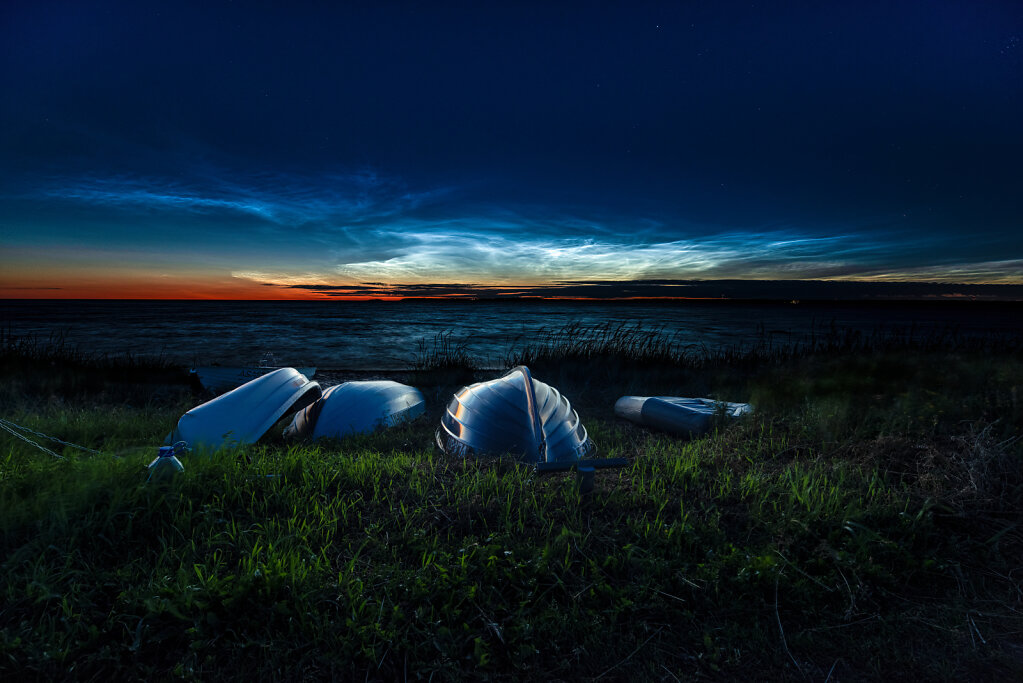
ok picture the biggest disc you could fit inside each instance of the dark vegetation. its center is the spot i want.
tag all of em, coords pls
(30, 366)
(864, 523)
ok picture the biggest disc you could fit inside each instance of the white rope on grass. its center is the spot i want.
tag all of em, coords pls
(10, 427)
(44, 449)
(10, 424)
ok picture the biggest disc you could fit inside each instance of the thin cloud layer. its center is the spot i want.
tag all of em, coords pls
(287, 200)
(346, 229)
(803, 290)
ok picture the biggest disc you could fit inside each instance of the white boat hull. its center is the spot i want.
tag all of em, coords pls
(357, 408)
(243, 415)
(693, 416)
(219, 378)
(514, 414)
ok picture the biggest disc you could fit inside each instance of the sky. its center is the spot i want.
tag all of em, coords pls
(326, 150)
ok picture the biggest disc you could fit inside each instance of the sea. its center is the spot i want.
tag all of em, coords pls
(391, 335)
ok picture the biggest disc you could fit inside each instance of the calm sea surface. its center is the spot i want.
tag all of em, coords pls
(386, 335)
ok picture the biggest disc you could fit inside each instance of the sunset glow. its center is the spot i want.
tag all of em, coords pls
(397, 167)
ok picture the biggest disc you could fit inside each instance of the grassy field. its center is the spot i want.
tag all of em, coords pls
(864, 523)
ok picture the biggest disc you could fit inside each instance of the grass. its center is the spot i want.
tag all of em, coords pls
(53, 369)
(635, 344)
(863, 523)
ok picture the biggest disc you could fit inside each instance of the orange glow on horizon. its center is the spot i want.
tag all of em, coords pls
(150, 292)
(626, 298)
(93, 285)
(200, 293)
(30, 281)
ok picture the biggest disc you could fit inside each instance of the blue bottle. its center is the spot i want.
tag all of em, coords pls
(166, 464)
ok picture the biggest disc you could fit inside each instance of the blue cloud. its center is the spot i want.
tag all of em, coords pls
(286, 200)
(352, 227)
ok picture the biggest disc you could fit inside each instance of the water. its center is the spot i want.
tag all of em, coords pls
(385, 335)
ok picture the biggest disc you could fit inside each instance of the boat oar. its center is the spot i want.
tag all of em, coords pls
(584, 469)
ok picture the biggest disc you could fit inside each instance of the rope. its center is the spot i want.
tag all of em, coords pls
(9, 424)
(44, 449)
(9, 427)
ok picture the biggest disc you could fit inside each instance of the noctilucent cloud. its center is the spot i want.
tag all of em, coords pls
(224, 150)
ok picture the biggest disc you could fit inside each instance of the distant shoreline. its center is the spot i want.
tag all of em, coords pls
(688, 292)
(930, 302)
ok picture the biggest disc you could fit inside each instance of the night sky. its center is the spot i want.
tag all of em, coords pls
(265, 150)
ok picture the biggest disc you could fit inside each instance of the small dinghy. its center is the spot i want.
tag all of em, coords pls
(518, 415)
(243, 415)
(221, 378)
(694, 416)
(355, 408)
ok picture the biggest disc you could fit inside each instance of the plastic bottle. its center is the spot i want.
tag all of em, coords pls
(166, 463)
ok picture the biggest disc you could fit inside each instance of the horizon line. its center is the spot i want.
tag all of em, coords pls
(948, 299)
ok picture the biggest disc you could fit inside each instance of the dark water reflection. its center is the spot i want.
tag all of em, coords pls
(385, 335)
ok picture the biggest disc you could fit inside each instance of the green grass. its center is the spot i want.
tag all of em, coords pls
(864, 523)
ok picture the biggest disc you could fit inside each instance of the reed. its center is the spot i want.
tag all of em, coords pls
(52, 367)
(443, 352)
(637, 344)
(55, 349)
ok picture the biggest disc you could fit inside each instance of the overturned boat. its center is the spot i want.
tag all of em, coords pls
(357, 407)
(221, 378)
(516, 414)
(693, 416)
(245, 414)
